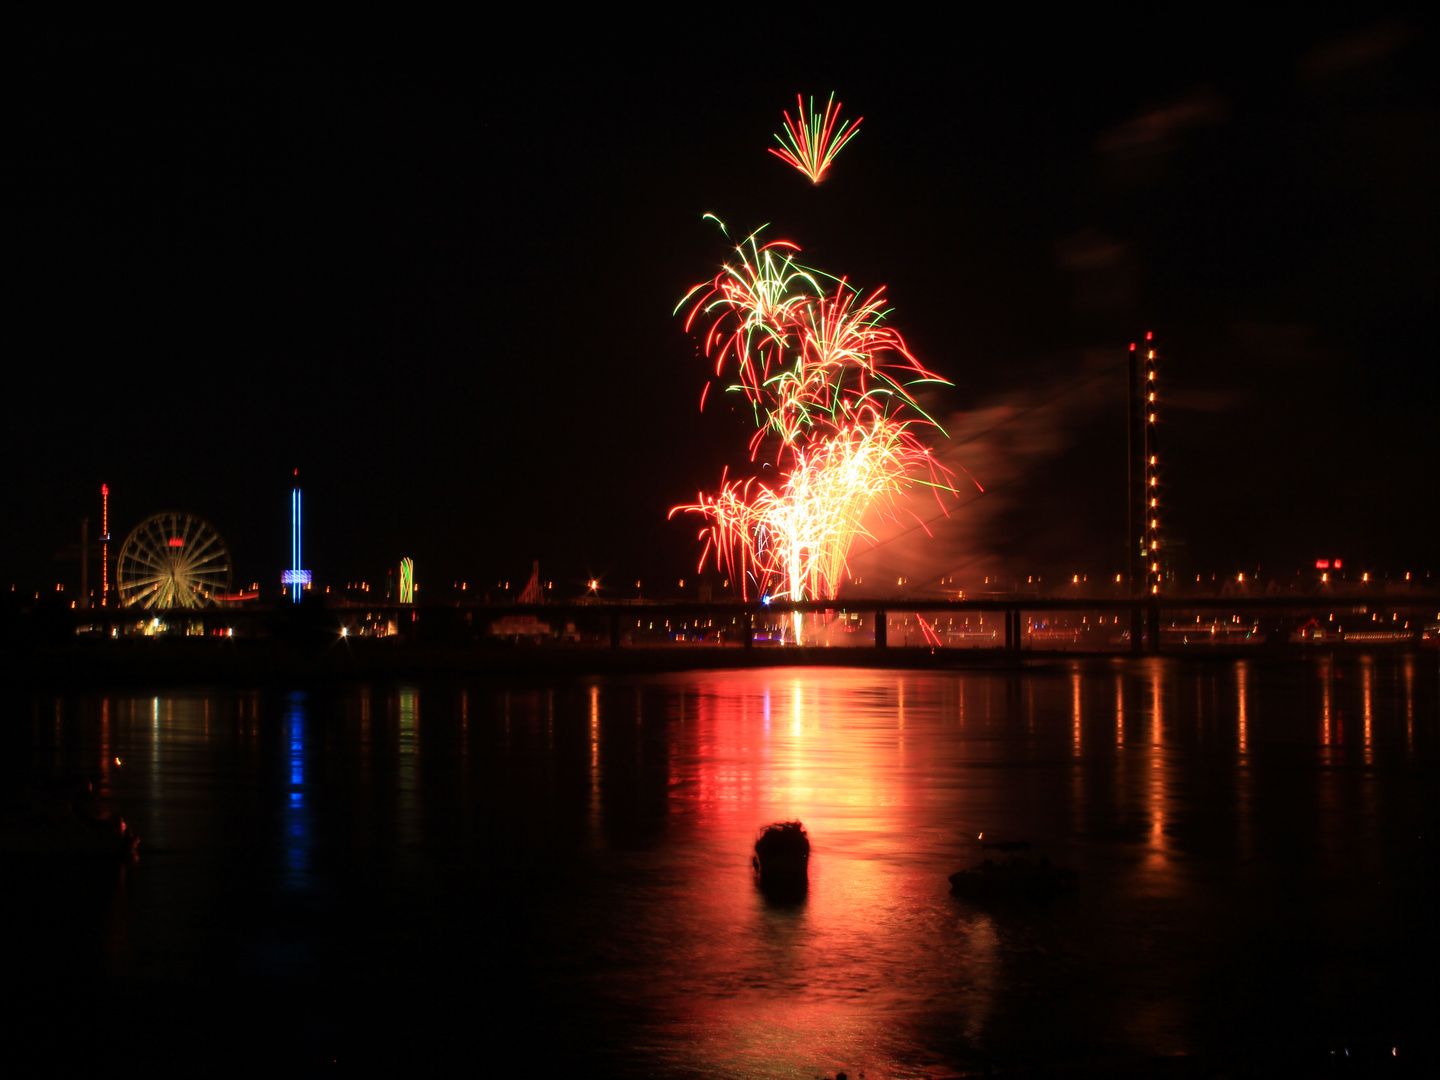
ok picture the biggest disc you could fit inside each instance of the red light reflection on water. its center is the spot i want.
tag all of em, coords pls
(1156, 790)
(815, 985)
(1367, 675)
(1410, 705)
(1325, 723)
(1242, 684)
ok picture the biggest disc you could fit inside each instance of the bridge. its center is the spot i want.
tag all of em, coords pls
(1025, 622)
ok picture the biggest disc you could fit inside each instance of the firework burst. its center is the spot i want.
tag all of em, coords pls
(830, 383)
(811, 140)
(801, 352)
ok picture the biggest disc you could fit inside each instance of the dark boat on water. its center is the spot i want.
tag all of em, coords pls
(782, 853)
(59, 820)
(1015, 878)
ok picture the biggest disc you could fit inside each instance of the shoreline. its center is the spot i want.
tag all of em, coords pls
(257, 662)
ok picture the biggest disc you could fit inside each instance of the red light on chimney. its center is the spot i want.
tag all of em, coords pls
(1337, 564)
(1149, 335)
(1322, 564)
(1132, 346)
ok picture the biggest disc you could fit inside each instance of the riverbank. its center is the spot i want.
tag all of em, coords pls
(210, 661)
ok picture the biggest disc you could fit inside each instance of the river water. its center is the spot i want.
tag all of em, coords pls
(558, 875)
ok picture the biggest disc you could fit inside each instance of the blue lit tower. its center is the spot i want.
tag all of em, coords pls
(296, 578)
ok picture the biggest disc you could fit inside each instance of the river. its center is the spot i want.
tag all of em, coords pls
(521, 874)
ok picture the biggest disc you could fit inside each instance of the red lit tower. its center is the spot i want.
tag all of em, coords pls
(1143, 530)
(104, 545)
(1152, 476)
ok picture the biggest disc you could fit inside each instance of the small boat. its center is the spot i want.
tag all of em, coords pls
(782, 853)
(1013, 879)
(59, 821)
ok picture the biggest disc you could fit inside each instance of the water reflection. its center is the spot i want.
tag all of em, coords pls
(1366, 676)
(407, 772)
(588, 844)
(1326, 687)
(107, 754)
(1075, 726)
(296, 816)
(839, 764)
(1409, 705)
(1119, 709)
(1242, 681)
(1157, 795)
(596, 812)
(1244, 773)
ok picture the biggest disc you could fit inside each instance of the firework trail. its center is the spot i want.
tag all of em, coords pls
(830, 385)
(810, 141)
(801, 353)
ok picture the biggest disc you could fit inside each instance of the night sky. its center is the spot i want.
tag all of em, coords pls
(443, 291)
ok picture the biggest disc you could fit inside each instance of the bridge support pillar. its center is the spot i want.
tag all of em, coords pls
(881, 625)
(1137, 631)
(1152, 622)
(614, 630)
(1013, 633)
(747, 630)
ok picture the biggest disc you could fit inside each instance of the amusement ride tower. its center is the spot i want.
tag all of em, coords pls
(296, 578)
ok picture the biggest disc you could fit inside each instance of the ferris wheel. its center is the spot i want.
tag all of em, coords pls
(172, 560)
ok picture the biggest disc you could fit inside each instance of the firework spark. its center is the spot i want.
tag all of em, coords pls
(803, 354)
(830, 384)
(811, 141)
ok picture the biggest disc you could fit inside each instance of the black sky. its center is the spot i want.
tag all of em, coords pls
(444, 290)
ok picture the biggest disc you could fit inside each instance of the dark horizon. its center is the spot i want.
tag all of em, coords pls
(447, 299)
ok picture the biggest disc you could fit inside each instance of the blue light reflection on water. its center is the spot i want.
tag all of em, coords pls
(297, 817)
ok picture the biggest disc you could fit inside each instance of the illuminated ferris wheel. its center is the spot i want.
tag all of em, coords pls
(172, 560)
